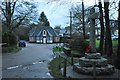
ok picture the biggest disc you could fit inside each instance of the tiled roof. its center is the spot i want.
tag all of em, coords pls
(38, 31)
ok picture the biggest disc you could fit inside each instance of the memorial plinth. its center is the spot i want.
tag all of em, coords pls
(93, 62)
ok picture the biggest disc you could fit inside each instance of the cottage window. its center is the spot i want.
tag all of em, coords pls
(44, 33)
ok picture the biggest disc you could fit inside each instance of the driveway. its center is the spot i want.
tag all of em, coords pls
(31, 62)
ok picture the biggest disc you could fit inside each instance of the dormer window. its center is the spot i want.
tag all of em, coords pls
(44, 33)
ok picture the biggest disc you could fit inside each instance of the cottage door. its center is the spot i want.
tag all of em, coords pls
(44, 36)
(44, 40)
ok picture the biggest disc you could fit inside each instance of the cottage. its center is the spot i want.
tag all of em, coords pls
(44, 34)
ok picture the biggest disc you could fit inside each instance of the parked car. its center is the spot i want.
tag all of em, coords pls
(22, 43)
(114, 37)
(98, 38)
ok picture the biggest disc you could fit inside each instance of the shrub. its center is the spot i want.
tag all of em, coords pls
(64, 39)
(10, 49)
(79, 44)
(10, 39)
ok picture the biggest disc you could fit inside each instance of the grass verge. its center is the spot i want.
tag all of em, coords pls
(57, 63)
(54, 68)
(10, 49)
(57, 49)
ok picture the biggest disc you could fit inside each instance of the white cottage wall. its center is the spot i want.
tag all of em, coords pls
(38, 39)
(32, 39)
(56, 39)
(44, 35)
(49, 40)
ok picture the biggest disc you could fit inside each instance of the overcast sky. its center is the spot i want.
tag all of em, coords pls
(57, 12)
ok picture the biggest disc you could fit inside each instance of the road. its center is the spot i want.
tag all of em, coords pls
(31, 62)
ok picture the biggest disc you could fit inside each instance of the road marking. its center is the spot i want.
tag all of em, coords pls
(24, 66)
(13, 67)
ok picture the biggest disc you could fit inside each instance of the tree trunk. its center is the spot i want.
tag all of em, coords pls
(118, 51)
(108, 41)
(8, 14)
(102, 28)
(8, 20)
(83, 20)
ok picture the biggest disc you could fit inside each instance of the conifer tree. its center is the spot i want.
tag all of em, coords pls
(43, 20)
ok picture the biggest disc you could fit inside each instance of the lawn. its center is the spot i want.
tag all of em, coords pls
(114, 42)
(54, 68)
(54, 64)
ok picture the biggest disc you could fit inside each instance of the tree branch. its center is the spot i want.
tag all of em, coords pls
(18, 23)
(3, 12)
(13, 7)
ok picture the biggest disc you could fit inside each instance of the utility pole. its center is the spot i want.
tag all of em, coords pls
(70, 24)
(95, 2)
(71, 35)
(83, 18)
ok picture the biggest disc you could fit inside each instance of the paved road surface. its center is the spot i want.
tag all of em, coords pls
(30, 62)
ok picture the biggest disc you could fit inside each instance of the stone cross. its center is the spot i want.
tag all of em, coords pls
(93, 16)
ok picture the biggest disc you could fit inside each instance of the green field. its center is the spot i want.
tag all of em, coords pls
(114, 43)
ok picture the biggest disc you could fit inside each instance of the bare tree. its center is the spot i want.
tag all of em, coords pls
(108, 41)
(14, 13)
(80, 22)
